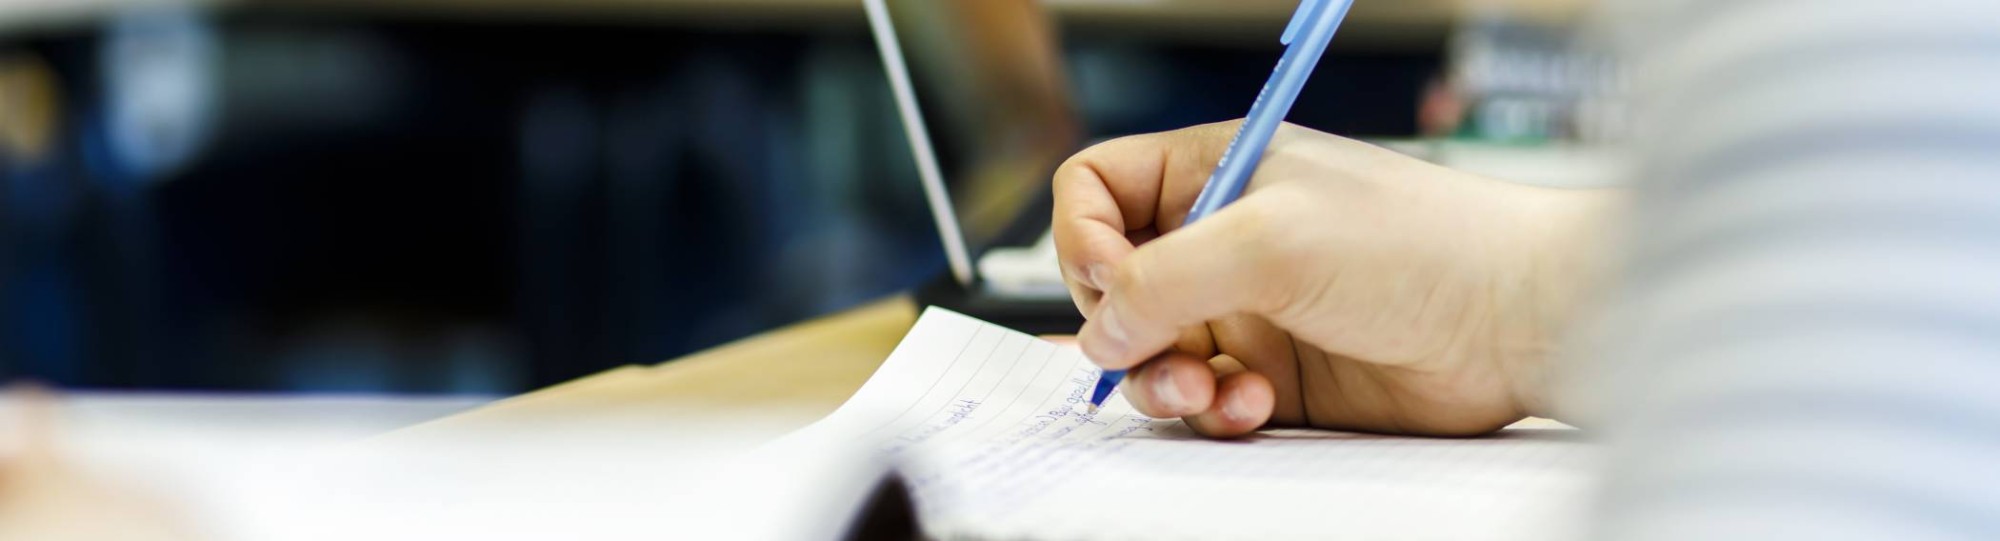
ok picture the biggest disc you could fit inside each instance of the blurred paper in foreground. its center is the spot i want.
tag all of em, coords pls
(978, 423)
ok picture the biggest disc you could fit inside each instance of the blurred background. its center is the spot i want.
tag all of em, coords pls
(484, 197)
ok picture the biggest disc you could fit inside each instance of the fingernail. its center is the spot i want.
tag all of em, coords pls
(1104, 339)
(1167, 392)
(1099, 276)
(1236, 410)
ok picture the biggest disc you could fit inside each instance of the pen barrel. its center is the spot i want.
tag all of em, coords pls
(1274, 101)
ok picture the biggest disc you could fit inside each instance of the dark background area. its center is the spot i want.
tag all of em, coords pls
(423, 205)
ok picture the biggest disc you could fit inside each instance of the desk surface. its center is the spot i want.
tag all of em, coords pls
(790, 377)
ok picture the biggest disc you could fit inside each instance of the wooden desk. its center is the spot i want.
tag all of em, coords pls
(790, 376)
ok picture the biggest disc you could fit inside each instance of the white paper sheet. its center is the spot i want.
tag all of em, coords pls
(985, 425)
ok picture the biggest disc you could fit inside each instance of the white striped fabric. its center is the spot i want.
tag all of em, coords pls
(1807, 342)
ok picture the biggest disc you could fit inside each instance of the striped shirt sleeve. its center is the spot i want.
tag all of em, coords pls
(1806, 344)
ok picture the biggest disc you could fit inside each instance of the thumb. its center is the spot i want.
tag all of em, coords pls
(1223, 265)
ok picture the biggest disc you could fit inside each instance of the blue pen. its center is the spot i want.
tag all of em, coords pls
(1305, 38)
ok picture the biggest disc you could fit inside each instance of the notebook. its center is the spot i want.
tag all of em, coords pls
(985, 428)
(978, 430)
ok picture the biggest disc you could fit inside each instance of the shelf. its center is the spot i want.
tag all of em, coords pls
(1393, 21)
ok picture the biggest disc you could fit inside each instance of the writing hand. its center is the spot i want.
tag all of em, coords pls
(1351, 287)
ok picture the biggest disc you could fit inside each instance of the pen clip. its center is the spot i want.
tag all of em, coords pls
(1306, 9)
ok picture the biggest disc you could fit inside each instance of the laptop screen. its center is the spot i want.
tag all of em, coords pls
(989, 81)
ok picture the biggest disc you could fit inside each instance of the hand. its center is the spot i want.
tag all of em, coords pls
(1351, 287)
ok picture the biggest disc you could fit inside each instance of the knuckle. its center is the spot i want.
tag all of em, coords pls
(1069, 175)
(1082, 166)
(1075, 161)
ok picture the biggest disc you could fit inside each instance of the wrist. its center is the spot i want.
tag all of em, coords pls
(1570, 260)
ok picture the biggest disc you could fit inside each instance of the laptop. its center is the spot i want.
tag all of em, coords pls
(981, 91)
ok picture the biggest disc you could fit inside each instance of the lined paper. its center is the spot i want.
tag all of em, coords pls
(986, 425)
